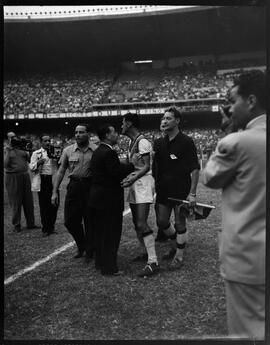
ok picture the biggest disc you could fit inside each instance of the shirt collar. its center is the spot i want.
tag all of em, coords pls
(102, 142)
(255, 121)
(177, 135)
(90, 146)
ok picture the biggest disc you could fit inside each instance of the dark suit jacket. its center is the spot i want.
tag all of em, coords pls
(107, 173)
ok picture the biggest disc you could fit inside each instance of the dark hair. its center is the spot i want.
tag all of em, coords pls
(103, 130)
(134, 118)
(43, 135)
(86, 125)
(252, 83)
(176, 112)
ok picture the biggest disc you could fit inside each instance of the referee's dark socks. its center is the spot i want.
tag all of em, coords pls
(181, 238)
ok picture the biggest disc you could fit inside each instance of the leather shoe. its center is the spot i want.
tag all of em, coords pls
(114, 274)
(33, 227)
(17, 229)
(45, 234)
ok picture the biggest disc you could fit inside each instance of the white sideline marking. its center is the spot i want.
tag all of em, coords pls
(15, 276)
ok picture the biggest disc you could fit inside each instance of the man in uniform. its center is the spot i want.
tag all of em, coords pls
(176, 173)
(76, 158)
(141, 190)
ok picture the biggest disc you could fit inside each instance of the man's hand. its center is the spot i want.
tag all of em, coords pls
(129, 180)
(54, 199)
(227, 125)
(123, 160)
(41, 161)
(192, 200)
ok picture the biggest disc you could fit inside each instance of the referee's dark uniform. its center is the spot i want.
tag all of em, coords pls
(76, 201)
(174, 160)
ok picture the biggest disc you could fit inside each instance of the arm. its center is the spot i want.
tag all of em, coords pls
(144, 151)
(115, 168)
(58, 178)
(128, 181)
(194, 182)
(221, 166)
(7, 156)
(35, 162)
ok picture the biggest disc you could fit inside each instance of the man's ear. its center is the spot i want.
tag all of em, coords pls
(252, 100)
(177, 121)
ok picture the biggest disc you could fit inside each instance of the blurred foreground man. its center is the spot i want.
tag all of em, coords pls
(107, 200)
(238, 167)
(76, 158)
(18, 183)
(176, 172)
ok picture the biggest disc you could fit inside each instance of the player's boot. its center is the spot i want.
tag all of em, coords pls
(149, 270)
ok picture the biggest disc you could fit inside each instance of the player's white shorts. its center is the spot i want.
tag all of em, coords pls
(142, 191)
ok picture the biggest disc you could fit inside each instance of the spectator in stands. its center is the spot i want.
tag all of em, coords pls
(176, 173)
(44, 166)
(76, 158)
(107, 200)
(141, 191)
(18, 183)
(238, 166)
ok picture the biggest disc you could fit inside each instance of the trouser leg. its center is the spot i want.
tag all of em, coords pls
(111, 235)
(48, 212)
(73, 210)
(88, 222)
(15, 196)
(28, 204)
(245, 310)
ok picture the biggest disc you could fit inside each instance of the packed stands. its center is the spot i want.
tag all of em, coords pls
(72, 92)
(78, 91)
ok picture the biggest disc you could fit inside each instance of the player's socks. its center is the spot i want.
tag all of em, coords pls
(180, 245)
(149, 242)
(170, 231)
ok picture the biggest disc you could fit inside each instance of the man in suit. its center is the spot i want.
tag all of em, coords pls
(238, 166)
(107, 200)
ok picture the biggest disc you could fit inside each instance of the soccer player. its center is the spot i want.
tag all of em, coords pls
(176, 175)
(141, 189)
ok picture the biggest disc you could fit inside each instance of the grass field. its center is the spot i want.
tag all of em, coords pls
(67, 299)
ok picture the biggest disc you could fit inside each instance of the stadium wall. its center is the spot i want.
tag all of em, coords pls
(196, 119)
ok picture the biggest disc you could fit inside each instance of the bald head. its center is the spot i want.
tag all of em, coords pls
(10, 135)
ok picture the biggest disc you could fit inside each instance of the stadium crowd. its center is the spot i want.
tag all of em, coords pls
(78, 91)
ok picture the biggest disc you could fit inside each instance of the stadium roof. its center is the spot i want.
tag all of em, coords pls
(151, 35)
(56, 13)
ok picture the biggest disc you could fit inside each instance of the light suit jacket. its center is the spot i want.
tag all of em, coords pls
(238, 166)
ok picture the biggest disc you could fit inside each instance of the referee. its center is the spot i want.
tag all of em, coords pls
(176, 173)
